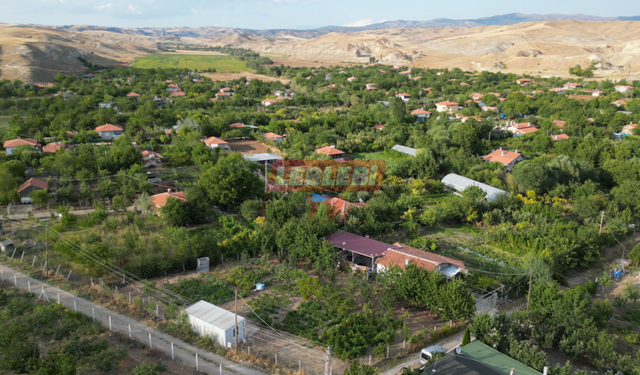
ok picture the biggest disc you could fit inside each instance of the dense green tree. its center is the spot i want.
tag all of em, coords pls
(231, 181)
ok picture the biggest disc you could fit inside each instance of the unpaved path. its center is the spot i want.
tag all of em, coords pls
(208, 363)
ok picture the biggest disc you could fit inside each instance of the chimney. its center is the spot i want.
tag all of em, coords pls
(516, 150)
(332, 146)
(503, 152)
(407, 261)
(169, 190)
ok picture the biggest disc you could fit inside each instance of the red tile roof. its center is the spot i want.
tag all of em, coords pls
(399, 254)
(269, 101)
(177, 93)
(559, 137)
(159, 200)
(378, 127)
(420, 112)
(341, 207)
(214, 141)
(21, 142)
(236, 125)
(559, 123)
(502, 156)
(35, 183)
(329, 150)
(133, 95)
(146, 153)
(108, 128)
(54, 147)
(447, 103)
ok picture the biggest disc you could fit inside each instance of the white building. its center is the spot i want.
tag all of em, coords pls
(459, 183)
(210, 320)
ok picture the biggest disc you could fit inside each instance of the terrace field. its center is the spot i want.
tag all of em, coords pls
(221, 63)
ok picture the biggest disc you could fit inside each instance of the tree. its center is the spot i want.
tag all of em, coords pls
(531, 175)
(467, 337)
(231, 181)
(357, 369)
(40, 197)
(175, 212)
(120, 203)
(398, 109)
(143, 202)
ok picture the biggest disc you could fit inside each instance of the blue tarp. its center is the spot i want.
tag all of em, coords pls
(317, 198)
(259, 286)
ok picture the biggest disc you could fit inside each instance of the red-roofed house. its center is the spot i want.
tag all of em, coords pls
(237, 125)
(378, 127)
(476, 96)
(30, 185)
(173, 88)
(421, 114)
(628, 129)
(508, 158)
(559, 137)
(12, 144)
(177, 93)
(447, 106)
(54, 147)
(404, 96)
(268, 102)
(109, 131)
(571, 86)
(339, 207)
(213, 142)
(524, 81)
(151, 159)
(521, 128)
(133, 95)
(401, 255)
(274, 137)
(623, 88)
(351, 79)
(160, 200)
(331, 151)
(371, 87)
(559, 123)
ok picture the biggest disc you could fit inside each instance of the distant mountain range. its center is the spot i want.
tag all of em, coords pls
(214, 31)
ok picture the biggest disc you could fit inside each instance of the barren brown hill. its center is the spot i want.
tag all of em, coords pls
(37, 55)
(536, 47)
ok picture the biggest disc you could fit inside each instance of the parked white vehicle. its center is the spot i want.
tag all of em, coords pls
(427, 353)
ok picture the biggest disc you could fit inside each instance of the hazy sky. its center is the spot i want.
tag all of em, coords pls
(273, 14)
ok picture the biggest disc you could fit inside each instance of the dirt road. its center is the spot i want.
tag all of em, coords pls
(208, 363)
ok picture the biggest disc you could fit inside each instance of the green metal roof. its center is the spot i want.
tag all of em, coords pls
(495, 360)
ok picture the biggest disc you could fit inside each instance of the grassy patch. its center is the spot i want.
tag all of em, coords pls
(221, 63)
(391, 157)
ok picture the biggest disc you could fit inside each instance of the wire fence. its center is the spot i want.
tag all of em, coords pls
(124, 292)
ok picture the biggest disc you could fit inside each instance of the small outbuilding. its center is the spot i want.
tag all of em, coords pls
(405, 150)
(210, 320)
(459, 183)
(7, 245)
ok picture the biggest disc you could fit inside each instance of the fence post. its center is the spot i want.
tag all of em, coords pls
(58, 297)
(369, 359)
(22, 256)
(58, 269)
(14, 253)
(150, 344)
(404, 343)
(34, 260)
(276, 359)
(129, 331)
(249, 350)
(387, 352)
(197, 369)
(110, 323)
(299, 365)
(172, 355)
(15, 281)
(69, 275)
(129, 297)
(75, 308)
(93, 314)
(29, 285)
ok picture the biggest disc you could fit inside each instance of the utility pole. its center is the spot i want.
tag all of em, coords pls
(601, 221)
(530, 282)
(46, 251)
(236, 313)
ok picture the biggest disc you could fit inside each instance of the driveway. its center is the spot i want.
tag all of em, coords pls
(208, 363)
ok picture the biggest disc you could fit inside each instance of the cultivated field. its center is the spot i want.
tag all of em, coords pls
(221, 63)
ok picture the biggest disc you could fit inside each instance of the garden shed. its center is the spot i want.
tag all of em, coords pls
(7, 245)
(210, 320)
